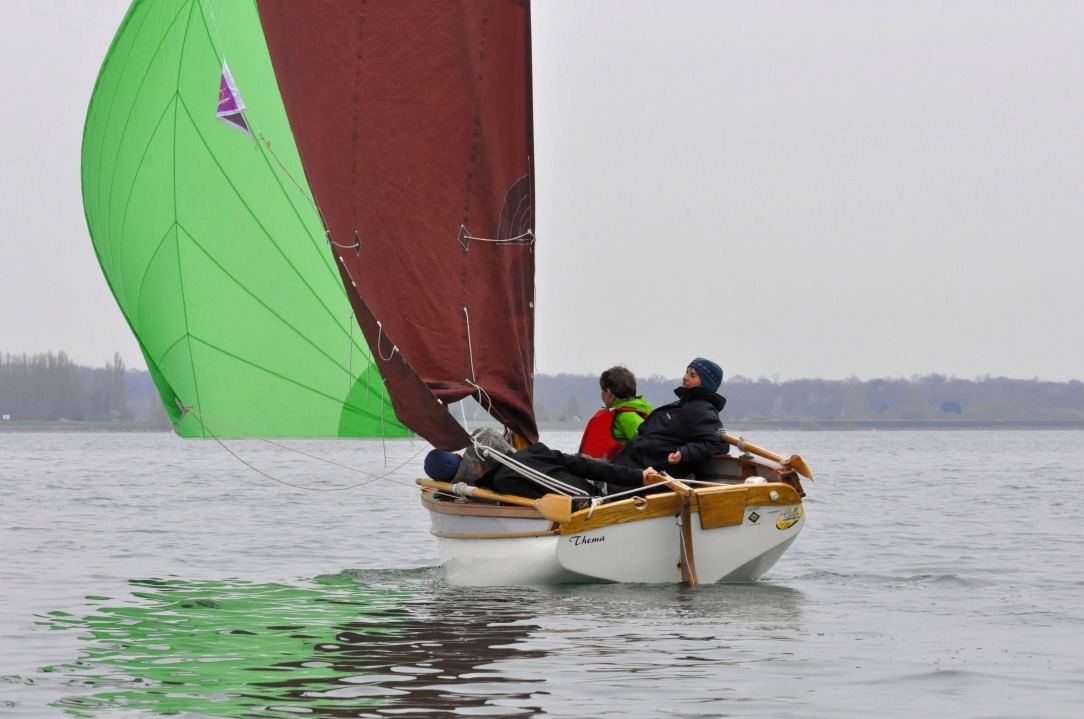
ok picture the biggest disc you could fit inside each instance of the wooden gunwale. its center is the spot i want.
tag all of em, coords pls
(717, 506)
(475, 508)
(625, 510)
(730, 499)
(493, 535)
(730, 468)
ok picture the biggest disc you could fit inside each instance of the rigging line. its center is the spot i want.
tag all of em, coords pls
(200, 418)
(530, 473)
(527, 238)
(214, 23)
(379, 336)
(689, 480)
(384, 434)
(463, 412)
(618, 495)
(276, 479)
(355, 246)
(482, 394)
(307, 195)
(368, 373)
(470, 347)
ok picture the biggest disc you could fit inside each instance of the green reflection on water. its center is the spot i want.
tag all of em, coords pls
(336, 646)
(381, 643)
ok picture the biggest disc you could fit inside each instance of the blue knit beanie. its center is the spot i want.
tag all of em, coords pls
(711, 374)
(441, 465)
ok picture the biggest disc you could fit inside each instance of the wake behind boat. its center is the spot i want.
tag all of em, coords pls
(344, 247)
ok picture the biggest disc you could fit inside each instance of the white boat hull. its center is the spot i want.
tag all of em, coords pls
(649, 551)
(743, 553)
(496, 562)
(728, 539)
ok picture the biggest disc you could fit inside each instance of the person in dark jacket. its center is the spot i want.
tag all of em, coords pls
(593, 476)
(677, 437)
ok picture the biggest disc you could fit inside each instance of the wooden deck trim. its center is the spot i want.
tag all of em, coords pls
(720, 506)
(492, 535)
(626, 510)
(474, 508)
(725, 506)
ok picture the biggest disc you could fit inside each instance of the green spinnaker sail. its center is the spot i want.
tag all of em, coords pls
(210, 239)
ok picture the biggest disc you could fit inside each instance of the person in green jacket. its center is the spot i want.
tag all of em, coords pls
(618, 421)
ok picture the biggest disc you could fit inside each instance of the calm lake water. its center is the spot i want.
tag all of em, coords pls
(940, 574)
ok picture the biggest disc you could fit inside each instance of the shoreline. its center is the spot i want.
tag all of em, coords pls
(805, 425)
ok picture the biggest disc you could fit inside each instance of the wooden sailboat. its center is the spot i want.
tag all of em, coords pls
(360, 256)
(729, 526)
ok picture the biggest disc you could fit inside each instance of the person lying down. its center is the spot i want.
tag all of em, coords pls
(584, 475)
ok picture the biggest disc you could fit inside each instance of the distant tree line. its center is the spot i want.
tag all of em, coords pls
(566, 397)
(50, 387)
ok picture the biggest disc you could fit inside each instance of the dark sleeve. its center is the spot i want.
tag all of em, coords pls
(599, 471)
(705, 438)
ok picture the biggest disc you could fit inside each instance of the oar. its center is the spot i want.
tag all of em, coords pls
(554, 507)
(795, 462)
(674, 484)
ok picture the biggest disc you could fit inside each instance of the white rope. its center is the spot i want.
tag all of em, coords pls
(527, 238)
(618, 495)
(482, 394)
(333, 243)
(463, 413)
(704, 482)
(379, 337)
(463, 489)
(621, 495)
(470, 347)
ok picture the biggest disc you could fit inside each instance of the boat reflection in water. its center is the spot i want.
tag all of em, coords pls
(378, 643)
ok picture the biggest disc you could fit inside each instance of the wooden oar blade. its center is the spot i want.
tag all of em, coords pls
(795, 462)
(798, 465)
(555, 507)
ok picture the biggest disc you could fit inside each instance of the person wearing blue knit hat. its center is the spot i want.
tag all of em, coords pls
(441, 465)
(710, 374)
(676, 438)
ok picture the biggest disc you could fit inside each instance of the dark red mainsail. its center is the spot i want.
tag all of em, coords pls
(413, 120)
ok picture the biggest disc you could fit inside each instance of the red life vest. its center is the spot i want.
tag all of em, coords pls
(598, 436)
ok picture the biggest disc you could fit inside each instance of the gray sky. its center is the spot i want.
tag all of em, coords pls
(793, 189)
